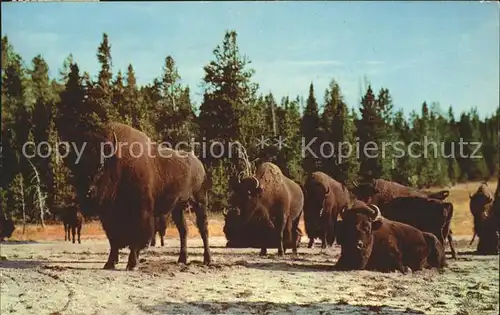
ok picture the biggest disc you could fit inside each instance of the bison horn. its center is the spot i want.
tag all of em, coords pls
(342, 211)
(376, 211)
(470, 196)
(224, 212)
(240, 176)
(327, 190)
(257, 184)
(354, 183)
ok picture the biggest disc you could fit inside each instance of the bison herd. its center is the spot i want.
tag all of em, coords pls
(380, 225)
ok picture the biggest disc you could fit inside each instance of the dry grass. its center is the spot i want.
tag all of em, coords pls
(459, 196)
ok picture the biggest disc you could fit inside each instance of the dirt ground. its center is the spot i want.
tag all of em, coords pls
(54, 277)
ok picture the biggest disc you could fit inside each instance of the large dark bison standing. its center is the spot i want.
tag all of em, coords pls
(380, 191)
(273, 198)
(485, 221)
(256, 233)
(370, 241)
(6, 227)
(426, 214)
(72, 221)
(324, 197)
(139, 180)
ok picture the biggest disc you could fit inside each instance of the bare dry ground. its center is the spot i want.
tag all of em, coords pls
(63, 278)
(44, 275)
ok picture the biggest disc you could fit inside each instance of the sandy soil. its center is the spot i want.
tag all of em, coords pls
(63, 278)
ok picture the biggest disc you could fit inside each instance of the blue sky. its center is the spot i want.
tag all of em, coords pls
(446, 52)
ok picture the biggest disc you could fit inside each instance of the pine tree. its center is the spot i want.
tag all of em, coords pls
(370, 133)
(228, 98)
(101, 92)
(310, 130)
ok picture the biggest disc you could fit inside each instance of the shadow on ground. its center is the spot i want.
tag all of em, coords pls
(341, 307)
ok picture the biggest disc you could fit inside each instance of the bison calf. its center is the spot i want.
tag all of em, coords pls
(372, 242)
(72, 221)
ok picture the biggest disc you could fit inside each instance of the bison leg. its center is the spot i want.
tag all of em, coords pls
(323, 238)
(79, 231)
(452, 247)
(202, 223)
(180, 223)
(162, 241)
(295, 235)
(73, 233)
(311, 242)
(153, 240)
(112, 258)
(280, 228)
(473, 238)
(132, 258)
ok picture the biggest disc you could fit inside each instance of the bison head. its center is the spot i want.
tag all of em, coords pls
(246, 194)
(101, 180)
(478, 202)
(314, 206)
(356, 235)
(365, 191)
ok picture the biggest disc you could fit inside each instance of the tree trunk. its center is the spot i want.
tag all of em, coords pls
(41, 201)
(23, 204)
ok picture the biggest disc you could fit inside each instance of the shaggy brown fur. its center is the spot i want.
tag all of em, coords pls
(380, 191)
(255, 234)
(131, 188)
(72, 220)
(428, 215)
(274, 198)
(372, 242)
(324, 198)
(6, 227)
(481, 206)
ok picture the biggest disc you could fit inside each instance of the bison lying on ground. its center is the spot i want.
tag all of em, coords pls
(370, 241)
(141, 179)
(428, 215)
(72, 220)
(324, 197)
(255, 234)
(273, 198)
(161, 229)
(6, 227)
(485, 222)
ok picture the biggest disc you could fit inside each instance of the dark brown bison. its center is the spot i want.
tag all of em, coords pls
(426, 214)
(370, 241)
(72, 221)
(380, 191)
(161, 229)
(137, 180)
(324, 197)
(273, 198)
(6, 227)
(254, 234)
(485, 221)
